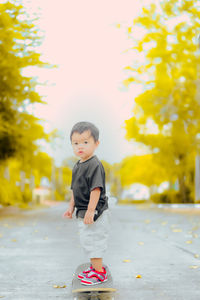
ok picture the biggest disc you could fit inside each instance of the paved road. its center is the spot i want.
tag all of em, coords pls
(39, 250)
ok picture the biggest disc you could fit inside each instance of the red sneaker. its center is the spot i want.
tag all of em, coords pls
(95, 277)
(84, 273)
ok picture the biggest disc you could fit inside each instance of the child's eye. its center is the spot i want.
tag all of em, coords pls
(86, 142)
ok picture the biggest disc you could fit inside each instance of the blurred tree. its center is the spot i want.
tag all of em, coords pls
(19, 183)
(63, 176)
(67, 166)
(113, 182)
(166, 114)
(141, 169)
(108, 171)
(18, 38)
(66, 177)
(116, 188)
(41, 167)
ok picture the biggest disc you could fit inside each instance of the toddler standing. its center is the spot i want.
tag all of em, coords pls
(90, 200)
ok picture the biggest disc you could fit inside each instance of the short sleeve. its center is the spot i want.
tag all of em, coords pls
(72, 178)
(96, 178)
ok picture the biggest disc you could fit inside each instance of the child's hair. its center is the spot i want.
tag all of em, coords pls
(80, 127)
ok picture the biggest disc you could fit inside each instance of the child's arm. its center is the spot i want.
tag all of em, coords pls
(94, 198)
(70, 210)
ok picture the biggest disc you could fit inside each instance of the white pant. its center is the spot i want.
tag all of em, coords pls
(93, 237)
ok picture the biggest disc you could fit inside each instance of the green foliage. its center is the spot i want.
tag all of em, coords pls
(166, 115)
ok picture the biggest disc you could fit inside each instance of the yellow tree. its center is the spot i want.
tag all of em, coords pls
(108, 171)
(20, 131)
(19, 38)
(141, 169)
(168, 74)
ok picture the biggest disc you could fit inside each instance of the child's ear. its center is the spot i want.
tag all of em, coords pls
(97, 143)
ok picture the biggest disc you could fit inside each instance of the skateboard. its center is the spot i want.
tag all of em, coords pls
(102, 291)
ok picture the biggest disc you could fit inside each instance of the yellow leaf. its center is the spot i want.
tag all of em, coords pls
(194, 267)
(195, 235)
(14, 240)
(177, 230)
(138, 276)
(188, 242)
(1, 235)
(153, 230)
(147, 221)
(196, 255)
(164, 223)
(141, 243)
(59, 286)
(129, 29)
(126, 260)
(118, 25)
(126, 82)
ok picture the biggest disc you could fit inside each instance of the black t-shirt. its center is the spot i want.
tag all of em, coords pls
(86, 176)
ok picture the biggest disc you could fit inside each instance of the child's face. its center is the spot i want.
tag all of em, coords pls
(84, 145)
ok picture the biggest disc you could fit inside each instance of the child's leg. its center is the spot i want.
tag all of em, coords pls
(97, 264)
(93, 239)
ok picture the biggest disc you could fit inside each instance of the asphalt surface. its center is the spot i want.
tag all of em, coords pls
(153, 254)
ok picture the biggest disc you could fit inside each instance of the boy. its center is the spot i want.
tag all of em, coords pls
(90, 200)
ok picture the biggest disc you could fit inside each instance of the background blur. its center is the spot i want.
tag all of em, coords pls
(132, 68)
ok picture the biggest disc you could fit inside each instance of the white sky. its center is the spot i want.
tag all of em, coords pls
(82, 38)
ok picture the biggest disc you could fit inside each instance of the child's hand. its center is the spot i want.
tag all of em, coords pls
(89, 217)
(68, 214)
